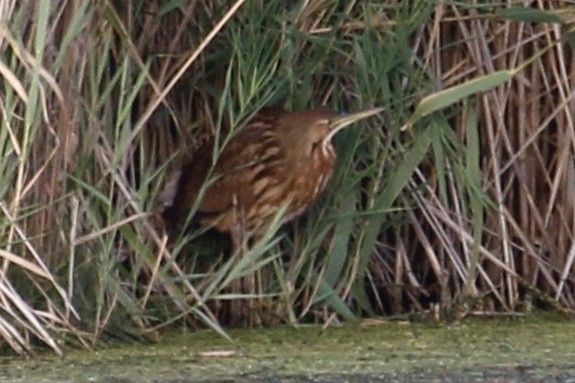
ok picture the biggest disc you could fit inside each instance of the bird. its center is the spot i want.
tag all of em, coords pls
(278, 160)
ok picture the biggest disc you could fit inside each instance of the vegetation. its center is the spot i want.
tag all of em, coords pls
(460, 192)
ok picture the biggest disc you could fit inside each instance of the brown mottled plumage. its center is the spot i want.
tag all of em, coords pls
(279, 158)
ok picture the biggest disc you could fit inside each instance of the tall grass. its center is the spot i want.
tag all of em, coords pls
(460, 192)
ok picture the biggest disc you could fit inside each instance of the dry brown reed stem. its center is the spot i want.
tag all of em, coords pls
(515, 134)
(92, 118)
(185, 66)
(512, 138)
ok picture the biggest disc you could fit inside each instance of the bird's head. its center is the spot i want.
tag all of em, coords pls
(313, 129)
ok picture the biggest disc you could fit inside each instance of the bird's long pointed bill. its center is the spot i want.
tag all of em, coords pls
(339, 122)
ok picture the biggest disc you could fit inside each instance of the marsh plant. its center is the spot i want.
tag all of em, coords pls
(459, 193)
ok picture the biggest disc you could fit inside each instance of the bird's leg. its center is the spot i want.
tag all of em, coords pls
(238, 230)
(243, 310)
(237, 237)
(240, 309)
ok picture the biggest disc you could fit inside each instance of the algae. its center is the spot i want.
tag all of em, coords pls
(507, 350)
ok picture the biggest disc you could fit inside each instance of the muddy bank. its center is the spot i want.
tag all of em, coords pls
(487, 350)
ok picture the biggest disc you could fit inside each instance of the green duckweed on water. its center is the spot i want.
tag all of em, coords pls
(530, 349)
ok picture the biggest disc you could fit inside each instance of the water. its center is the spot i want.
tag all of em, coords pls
(488, 350)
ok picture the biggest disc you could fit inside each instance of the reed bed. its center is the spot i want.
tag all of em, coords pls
(459, 198)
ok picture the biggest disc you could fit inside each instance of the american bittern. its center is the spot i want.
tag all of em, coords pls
(278, 159)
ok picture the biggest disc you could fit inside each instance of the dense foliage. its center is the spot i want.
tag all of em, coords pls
(468, 207)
